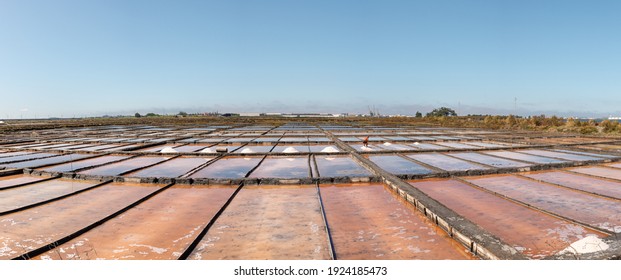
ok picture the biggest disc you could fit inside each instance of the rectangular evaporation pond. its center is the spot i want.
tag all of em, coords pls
(46, 161)
(489, 160)
(395, 147)
(282, 167)
(157, 229)
(123, 166)
(27, 230)
(189, 140)
(171, 168)
(456, 145)
(211, 140)
(605, 172)
(398, 165)
(606, 147)
(121, 148)
(426, 146)
(486, 144)
(585, 183)
(190, 148)
(268, 222)
(350, 139)
(339, 166)
(524, 157)
(367, 221)
(228, 168)
(98, 147)
(291, 149)
(266, 139)
(13, 180)
(323, 149)
(240, 140)
(254, 149)
(73, 147)
(72, 166)
(446, 138)
(213, 149)
(586, 154)
(294, 139)
(445, 162)
(565, 156)
(397, 138)
(592, 210)
(30, 145)
(12, 154)
(30, 194)
(423, 138)
(369, 148)
(318, 139)
(533, 233)
(53, 146)
(157, 149)
(26, 157)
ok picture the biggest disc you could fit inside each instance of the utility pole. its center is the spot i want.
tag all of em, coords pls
(515, 106)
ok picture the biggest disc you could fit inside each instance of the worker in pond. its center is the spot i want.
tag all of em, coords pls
(365, 142)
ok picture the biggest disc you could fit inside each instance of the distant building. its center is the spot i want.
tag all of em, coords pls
(249, 114)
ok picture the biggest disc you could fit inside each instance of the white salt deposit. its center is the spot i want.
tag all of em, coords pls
(366, 148)
(416, 143)
(387, 143)
(207, 150)
(168, 150)
(589, 244)
(290, 150)
(247, 151)
(329, 149)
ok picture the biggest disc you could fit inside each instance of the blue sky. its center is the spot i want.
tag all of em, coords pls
(84, 58)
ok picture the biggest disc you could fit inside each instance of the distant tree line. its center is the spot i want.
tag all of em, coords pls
(448, 117)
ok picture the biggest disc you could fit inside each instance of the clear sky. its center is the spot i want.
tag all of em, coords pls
(83, 58)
